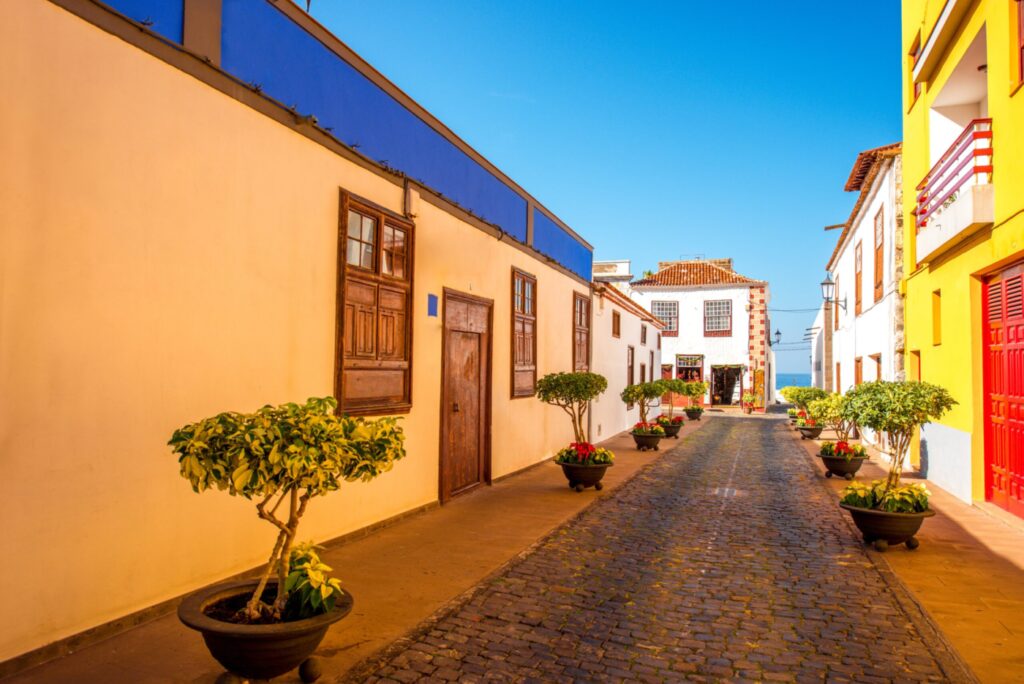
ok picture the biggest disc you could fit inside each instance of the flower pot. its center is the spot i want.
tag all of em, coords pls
(810, 432)
(748, 410)
(692, 415)
(673, 430)
(256, 651)
(881, 528)
(837, 465)
(645, 442)
(582, 476)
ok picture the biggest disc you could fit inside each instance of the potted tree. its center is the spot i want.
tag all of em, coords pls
(672, 423)
(841, 458)
(695, 392)
(646, 434)
(278, 456)
(887, 511)
(748, 400)
(583, 464)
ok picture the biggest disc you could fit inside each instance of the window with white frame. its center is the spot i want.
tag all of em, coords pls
(668, 312)
(718, 317)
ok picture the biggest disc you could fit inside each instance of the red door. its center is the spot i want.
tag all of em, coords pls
(1004, 389)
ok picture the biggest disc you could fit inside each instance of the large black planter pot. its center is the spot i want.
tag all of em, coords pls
(582, 476)
(645, 442)
(837, 465)
(810, 432)
(692, 415)
(672, 430)
(881, 528)
(256, 651)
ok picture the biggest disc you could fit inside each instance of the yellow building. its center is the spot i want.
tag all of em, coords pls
(211, 206)
(963, 175)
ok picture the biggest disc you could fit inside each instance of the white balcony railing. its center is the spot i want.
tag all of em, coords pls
(955, 198)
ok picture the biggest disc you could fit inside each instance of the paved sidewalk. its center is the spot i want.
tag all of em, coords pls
(968, 574)
(399, 575)
(726, 559)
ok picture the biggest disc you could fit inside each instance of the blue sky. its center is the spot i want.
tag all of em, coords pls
(661, 130)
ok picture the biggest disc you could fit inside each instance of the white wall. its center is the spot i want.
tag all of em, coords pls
(608, 414)
(691, 340)
(817, 334)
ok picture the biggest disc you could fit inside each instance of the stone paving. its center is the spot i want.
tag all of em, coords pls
(725, 559)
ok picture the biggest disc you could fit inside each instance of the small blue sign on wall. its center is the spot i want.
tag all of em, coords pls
(432, 305)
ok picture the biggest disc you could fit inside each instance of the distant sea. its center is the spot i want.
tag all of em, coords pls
(792, 379)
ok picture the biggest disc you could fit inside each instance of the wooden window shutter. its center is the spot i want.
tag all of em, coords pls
(581, 332)
(524, 334)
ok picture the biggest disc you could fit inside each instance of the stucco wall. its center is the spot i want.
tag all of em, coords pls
(608, 412)
(691, 340)
(168, 253)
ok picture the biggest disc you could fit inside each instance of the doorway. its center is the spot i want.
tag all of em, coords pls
(726, 385)
(465, 455)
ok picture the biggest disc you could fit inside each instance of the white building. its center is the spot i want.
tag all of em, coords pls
(626, 350)
(716, 327)
(866, 318)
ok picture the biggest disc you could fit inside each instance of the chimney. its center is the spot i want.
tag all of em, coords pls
(723, 263)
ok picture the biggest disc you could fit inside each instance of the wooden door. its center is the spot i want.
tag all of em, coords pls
(1004, 389)
(465, 394)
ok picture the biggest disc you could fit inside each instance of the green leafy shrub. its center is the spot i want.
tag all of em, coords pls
(835, 411)
(695, 391)
(311, 590)
(673, 386)
(642, 395)
(749, 398)
(802, 396)
(572, 392)
(287, 454)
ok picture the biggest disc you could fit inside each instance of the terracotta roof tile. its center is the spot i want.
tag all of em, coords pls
(865, 160)
(701, 272)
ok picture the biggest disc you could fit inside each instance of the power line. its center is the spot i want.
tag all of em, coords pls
(793, 310)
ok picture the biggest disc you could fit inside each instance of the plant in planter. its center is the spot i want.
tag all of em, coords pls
(695, 392)
(573, 392)
(646, 434)
(836, 412)
(842, 458)
(886, 511)
(278, 456)
(801, 397)
(672, 423)
(791, 412)
(808, 427)
(584, 465)
(748, 401)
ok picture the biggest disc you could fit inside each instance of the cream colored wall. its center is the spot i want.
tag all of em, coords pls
(168, 253)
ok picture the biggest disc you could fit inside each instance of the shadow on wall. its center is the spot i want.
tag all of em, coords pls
(924, 459)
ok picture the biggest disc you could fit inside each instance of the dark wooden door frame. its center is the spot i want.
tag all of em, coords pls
(447, 294)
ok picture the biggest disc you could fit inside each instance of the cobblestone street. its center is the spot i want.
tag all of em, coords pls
(725, 559)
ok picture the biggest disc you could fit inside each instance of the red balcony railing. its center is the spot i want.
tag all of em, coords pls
(968, 160)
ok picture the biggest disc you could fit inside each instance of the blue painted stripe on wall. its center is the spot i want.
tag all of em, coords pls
(552, 240)
(167, 16)
(262, 45)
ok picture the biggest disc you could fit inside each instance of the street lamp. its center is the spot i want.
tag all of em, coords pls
(828, 292)
(778, 336)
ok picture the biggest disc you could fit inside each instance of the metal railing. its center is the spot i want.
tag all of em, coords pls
(968, 160)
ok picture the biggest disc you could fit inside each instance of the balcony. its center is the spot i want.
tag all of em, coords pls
(955, 199)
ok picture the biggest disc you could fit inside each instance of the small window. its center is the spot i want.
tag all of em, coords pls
(362, 236)
(1020, 41)
(659, 341)
(718, 318)
(858, 371)
(643, 372)
(915, 365)
(643, 334)
(374, 343)
(651, 367)
(630, 380)
(858, 269)
(524, 334)
(839, 378)
(937, 317)
(581, 332)
(616, 324)
(879, 265)
(668, 313)
(877, 358)
(912, 57)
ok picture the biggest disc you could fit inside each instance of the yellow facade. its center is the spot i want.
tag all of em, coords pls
(168, 253)
(967, 57)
